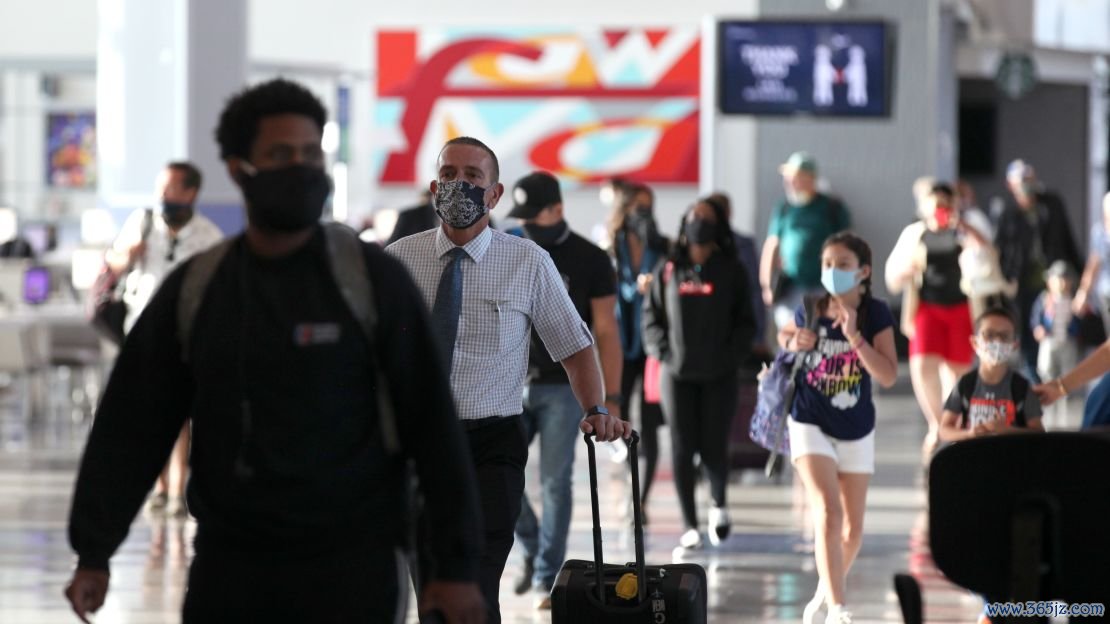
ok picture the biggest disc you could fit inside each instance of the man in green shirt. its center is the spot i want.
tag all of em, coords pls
(800, 223)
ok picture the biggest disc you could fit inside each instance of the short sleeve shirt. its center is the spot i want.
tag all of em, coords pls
(510, 285)
(834, 392)
(164, 252)
(992, 403)
(587, 273)
(802, 231)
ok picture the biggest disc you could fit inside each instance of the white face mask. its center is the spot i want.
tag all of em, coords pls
(995, 352)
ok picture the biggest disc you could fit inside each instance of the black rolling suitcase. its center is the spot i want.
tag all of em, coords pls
(662, 594)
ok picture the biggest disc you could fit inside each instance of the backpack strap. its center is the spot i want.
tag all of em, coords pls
(966, 388)
(1019, 391)
(197, 276)
(348, 269)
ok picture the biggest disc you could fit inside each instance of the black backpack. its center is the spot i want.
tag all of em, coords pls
(1019, 391)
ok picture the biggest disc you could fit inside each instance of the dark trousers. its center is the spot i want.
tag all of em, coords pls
(645, 417)
(500, 453)
(1029, 346)
(700, 415)
(359, 584)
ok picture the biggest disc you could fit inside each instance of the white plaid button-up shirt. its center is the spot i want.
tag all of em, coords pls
(510, 285)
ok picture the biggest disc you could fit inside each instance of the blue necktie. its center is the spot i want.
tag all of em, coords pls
(448, 304)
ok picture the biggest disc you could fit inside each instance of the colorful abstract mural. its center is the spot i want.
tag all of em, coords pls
(583, 104)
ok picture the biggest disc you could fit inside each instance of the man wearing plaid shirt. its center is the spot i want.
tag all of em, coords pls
(487, 290)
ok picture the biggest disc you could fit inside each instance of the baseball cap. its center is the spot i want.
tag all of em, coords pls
(800, 161)
(1019, 170)
(1058, 268)
(533, 193)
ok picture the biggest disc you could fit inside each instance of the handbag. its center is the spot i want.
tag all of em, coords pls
(107, 308)
(652, 372)
(777, 389)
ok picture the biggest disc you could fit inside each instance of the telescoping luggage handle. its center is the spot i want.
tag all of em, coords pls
(638, 526)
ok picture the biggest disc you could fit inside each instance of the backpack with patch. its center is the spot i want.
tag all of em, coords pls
(1019, 391)
(348, 269)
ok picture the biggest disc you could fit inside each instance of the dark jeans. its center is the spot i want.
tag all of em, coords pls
(700, 416)
(645, 417)
(1029, 345)
(500, 453)
(360, 584)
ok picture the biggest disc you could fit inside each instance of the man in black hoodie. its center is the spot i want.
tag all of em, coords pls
(299, 505)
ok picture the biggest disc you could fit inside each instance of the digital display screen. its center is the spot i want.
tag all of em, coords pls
(817, 68)
(36, 285)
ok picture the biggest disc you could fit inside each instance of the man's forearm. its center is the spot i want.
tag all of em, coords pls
(767, 262)
(585, 377)
(612, 361)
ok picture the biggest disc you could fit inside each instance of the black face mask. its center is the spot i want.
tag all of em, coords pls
(700, 231)
(288, 199)
(642, 224)
(176, 214)
(547, 235)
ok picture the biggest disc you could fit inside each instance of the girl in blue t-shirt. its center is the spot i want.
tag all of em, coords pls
(831, 427)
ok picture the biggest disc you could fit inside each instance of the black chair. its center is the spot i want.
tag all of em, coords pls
(1024, 517)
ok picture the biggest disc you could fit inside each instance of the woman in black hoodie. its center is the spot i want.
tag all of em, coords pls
(699, 322)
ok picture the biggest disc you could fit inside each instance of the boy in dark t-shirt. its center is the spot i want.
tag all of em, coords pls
(994, 398)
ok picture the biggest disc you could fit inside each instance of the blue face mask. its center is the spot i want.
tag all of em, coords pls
(837, 281)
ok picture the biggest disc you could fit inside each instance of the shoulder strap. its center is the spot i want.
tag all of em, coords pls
(197, 276)
(1019, 390)
(348, 269)
(966, 386)
(809, 312)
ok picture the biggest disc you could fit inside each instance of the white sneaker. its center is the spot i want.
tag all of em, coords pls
(719, 525)
(838, 615)
(812, 613)
(690, 540)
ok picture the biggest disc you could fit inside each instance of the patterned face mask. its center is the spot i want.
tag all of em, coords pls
(459, 203)
(995, 352)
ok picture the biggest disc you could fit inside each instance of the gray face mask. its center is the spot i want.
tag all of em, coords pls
(459, 203)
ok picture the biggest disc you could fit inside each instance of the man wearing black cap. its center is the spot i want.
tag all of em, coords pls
(550, 408)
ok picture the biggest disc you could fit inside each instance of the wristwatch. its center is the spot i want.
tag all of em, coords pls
(596, 410)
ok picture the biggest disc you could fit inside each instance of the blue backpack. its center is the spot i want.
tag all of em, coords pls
(777, 386)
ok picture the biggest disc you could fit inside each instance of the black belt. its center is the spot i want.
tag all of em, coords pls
(475, 424)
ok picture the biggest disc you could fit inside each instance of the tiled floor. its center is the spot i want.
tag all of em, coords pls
(764, 573)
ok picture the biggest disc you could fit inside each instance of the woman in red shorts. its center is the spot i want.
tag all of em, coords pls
(936, 314)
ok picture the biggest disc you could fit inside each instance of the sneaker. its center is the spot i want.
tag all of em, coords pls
(719, 525)
(524, 583)
(542, 601)
(812, 612)
(690, 540)
(838, 615)
(157, 503)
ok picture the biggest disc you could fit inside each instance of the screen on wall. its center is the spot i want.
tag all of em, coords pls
(818, 68)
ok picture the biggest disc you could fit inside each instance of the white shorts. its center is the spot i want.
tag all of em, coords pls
(856, 456)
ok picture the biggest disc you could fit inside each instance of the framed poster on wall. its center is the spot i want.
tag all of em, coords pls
(584, 104)
(71, 150)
